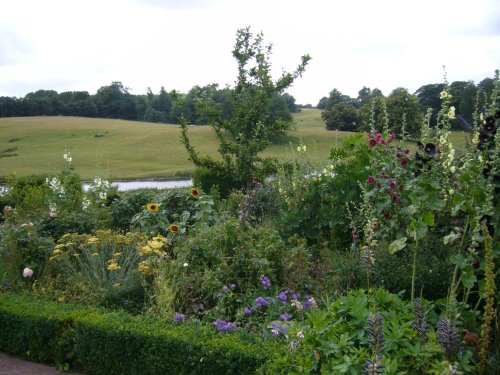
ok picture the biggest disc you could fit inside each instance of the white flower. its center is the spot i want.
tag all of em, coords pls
(451, 191)
(304, 148)
(453, 169)
(27, 272)
(299, 149)
(186, 264)
(300, 334)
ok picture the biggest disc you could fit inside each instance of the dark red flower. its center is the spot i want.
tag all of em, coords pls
(371, 180)
(373, 142)
(404, 162)
(398, 155)
(407, 152)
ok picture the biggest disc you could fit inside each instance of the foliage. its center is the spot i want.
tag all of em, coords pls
(101, 269)
(127, 205)
(338, 339)
(341, 117)
(315, 204)
(247, 133)
(223, 254)
(21, 246)
(103, 342)
(400, 102)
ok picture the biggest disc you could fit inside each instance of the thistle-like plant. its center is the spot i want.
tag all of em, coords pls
(374, 329)
(420, 323)
(448, 338)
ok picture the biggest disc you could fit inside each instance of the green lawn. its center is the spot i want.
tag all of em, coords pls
(130, 149)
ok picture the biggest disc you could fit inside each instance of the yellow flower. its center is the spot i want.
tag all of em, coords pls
(299, 149)
(93, 240)
(444, 95)
(155, 244)
(57, 251)
(451, 112)
(453, 169)
(113, 265)
(152, 207)
(145, 250)
(76, 255)
(195, 193)
(117, 285)
(144, 268)
(174, 228)
(61, 299)
(159, 238)
(117, 254)
(94, 254)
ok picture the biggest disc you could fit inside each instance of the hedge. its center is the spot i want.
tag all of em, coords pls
(106, 342)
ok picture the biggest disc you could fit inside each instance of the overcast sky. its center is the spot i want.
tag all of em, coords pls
(70, 45)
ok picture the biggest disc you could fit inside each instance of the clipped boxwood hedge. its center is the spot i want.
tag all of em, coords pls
(103, 342)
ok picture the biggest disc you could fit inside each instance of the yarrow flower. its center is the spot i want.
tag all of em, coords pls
(112, 266)
(152, 207)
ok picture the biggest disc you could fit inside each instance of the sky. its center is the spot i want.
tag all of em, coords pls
(81, 45)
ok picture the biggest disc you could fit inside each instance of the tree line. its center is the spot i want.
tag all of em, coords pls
(115, 101)
(401, 108)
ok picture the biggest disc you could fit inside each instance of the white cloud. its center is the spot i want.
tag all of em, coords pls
(82, 45)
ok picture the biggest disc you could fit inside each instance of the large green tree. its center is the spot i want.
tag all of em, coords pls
(247, 133)
(400, 102)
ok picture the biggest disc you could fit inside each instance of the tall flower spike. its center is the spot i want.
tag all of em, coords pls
(374, 328)
(448, 338)
(368, 258)
(373, 368)
(420, 324)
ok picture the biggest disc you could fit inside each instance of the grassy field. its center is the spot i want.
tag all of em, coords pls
(128, 149)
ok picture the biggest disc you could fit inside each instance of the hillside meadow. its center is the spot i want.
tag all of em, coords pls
(120, 149)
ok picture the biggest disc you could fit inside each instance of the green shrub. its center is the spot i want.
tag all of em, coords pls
(21, 246)
(102, 342)
(336, 340)
(127, 205)
(224, 182)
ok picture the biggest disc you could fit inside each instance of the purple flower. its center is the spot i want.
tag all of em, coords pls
(371, 180)
(286, 317)
(391, 137)
(266, 283)
(223, 326)
(232, 286)
(179, 317)
(261, 302)
(277, 329)
(225, 288)
(283, 297)
(247, 311)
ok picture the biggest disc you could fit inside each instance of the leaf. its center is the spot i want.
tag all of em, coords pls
(468, 278)
(397, 245)
(417, 230)
(458, 260)
(428, 218)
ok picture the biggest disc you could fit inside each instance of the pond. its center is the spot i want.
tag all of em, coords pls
(142, 184)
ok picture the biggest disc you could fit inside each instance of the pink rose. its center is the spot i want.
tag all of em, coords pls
(27, 272)
(7, 209)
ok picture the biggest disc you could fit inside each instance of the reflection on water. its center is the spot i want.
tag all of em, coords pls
(131, 185)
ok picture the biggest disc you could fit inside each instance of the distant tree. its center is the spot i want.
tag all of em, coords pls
(429, 97)
(364, 96)
(109, 100)
(247, 133)
(10, 107)
(322, 103)
(341, 116)
(373, 113)
(290, 103)
(486, 87)
(400, 102)
(463, 99)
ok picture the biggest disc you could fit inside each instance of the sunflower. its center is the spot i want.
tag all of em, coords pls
(174, 228)
(195, 193)
(152, 207)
